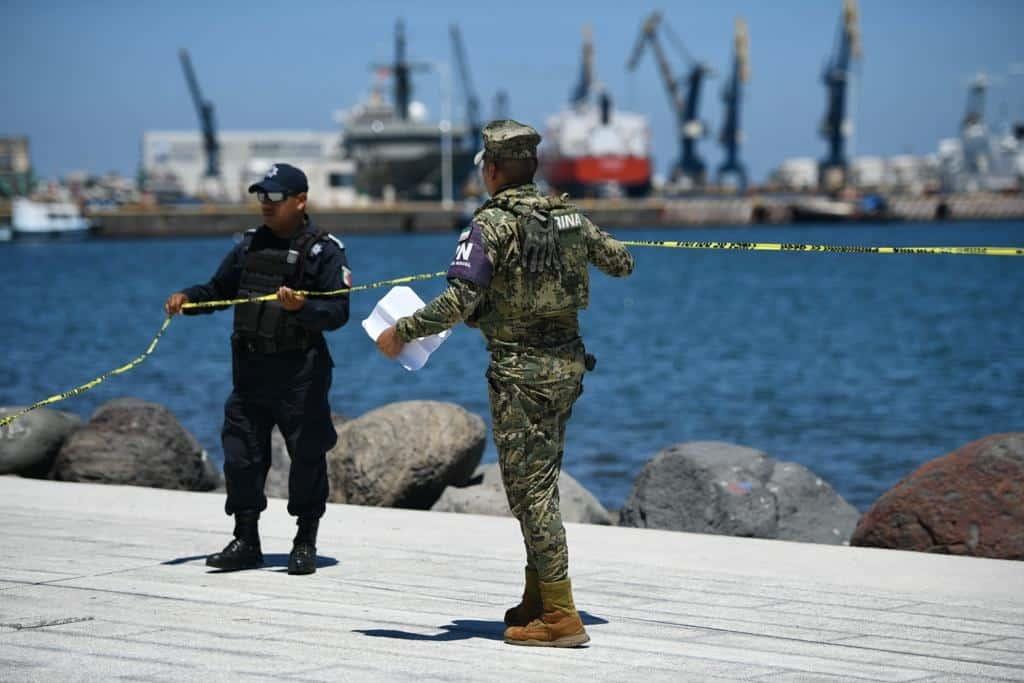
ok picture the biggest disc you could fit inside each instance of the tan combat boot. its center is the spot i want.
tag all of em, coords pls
(530, 607)
(559, 626)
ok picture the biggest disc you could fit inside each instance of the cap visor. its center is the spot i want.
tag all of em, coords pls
(267, 186)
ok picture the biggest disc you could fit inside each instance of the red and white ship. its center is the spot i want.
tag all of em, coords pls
(591, 149)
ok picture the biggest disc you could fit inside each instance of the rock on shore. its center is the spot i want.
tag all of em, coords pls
(404, 454)
(721, 488)
(485, 495)
(138, 443)
(29, 445)
(968, 502)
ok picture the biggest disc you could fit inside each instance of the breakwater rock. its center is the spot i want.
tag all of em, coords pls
(29, 445)
(720, 488)
(485, 495)
(138, 443)
(968, 502)
(405, 454)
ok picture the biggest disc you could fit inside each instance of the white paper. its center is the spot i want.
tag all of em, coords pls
(398, 303)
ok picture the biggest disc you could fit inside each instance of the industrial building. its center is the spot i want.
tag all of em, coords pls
(15, 167)
(174, 164)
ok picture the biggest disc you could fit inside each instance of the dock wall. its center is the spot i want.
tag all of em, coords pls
(432, 217)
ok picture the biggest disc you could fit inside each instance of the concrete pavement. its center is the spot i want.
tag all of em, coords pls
(101, 582)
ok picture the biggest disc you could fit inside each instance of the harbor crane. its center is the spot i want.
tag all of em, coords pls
(501, 108)
(473, 140)
(581, 93)
(836, 126)
(690, 167)
(211, 182)
(731, 135)
(973, 131)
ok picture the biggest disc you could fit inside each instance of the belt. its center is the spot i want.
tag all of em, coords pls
(258, 345)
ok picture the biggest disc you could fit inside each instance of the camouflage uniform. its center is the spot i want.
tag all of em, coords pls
(530, 322)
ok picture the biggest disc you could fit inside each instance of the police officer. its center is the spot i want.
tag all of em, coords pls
(520, 275)
(281, 367)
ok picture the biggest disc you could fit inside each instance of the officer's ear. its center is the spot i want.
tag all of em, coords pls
(301, 199)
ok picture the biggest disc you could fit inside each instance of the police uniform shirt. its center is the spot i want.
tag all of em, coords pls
(326, 269)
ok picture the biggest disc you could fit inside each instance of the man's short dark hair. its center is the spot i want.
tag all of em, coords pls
(516, 171)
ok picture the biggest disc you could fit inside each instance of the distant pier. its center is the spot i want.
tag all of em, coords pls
(614, 214)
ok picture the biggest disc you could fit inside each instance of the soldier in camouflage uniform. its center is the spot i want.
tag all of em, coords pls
(520, 275)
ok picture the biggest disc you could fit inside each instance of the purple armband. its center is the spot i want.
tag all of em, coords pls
(471, 262)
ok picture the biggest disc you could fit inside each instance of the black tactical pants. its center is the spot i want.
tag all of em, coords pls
(288, 390)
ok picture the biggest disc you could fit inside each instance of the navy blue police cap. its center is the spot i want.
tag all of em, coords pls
(282, 178)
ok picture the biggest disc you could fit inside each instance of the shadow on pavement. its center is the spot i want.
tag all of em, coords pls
(276, 561)
(459, 629)
(463, 629)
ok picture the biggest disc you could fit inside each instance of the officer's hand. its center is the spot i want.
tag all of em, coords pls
(290, 299)
(389, 343)
(174, 303)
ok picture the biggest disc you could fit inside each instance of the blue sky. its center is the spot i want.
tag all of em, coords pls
(84, 79)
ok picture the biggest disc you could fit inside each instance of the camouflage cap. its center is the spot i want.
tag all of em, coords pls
(508, 139)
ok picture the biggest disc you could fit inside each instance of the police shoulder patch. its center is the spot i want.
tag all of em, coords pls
(317, 248)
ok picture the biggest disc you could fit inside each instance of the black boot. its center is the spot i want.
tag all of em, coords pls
(243, 552)
(302, 559)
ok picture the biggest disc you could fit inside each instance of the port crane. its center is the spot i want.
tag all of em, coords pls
(473, 139)
(501, 107)
(581, 93)
(731, 135)
(211, 183)
(836, 126)
(689, 167)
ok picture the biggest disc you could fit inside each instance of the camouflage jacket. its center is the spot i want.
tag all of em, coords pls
(529, 320)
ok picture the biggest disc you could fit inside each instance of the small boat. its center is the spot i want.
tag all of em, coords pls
(869, 208)
(39, 219)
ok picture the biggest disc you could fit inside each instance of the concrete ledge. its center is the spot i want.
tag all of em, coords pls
(98, 582)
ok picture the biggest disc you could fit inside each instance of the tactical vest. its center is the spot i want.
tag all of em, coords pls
(552, 293)
(265, 327)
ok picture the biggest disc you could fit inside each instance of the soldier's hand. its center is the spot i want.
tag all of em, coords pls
(290, 299)
(389, 343)
(174, 303)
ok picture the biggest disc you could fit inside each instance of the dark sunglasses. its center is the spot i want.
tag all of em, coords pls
(271, 197)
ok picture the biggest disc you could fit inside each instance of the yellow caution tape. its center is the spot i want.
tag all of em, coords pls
(202, 304)
(334, 292)
(89, 385)
(743, 246)
(833, 248)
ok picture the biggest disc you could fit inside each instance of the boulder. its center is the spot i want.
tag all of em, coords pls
(968, 502)
(280, 462)
(135, 442)
(405, 454)
(486, 496)
(29, 445)
(721, 488)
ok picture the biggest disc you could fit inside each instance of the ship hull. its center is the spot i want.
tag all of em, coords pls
(418, 178)
(591, 175)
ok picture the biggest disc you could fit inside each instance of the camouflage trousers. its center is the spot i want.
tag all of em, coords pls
(529, 430)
